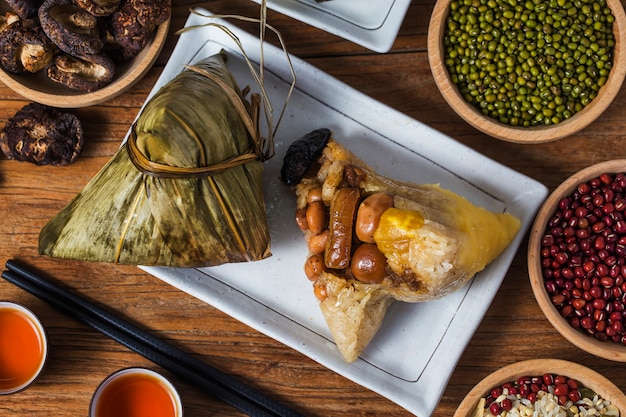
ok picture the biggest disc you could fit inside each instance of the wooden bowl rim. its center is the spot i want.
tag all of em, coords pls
(75, 99)
(525, 135)
(607, 350)
(535, 367)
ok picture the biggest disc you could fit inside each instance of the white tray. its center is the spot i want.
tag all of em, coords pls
(412, 357)
(373, 24)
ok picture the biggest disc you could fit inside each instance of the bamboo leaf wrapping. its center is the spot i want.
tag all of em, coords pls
(127, 216)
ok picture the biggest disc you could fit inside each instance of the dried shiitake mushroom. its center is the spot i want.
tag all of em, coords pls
(89, 36)
(73, 29)
(7, 20)
(25, 9)
(85, 73)
(42, 135)
(24, 47)
(133, 24)
(99, 8)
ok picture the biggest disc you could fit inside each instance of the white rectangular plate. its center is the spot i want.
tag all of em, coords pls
(412, 357)
(373, 24)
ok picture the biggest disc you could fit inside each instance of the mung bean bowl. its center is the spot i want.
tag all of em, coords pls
(545, 386)
(577, 259)
(528, 71)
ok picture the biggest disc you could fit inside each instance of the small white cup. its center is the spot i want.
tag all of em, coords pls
(136, 392)
(23, 347)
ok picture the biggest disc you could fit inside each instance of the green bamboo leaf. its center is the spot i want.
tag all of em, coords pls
(185, 191)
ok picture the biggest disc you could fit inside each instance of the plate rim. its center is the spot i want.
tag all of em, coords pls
(379, 39)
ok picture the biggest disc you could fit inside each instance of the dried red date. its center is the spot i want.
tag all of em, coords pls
(302, 154)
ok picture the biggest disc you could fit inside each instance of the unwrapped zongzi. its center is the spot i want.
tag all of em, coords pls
(373, 240)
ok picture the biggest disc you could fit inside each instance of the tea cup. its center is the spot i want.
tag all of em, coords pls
(136, 392)
(23, 347)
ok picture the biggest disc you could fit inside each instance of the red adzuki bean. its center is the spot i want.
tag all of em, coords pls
(583, 257)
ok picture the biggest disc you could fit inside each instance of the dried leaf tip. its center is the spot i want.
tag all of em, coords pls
(264, 145)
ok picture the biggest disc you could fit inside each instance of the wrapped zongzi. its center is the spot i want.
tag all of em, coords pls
(373, 240)
(184, 190)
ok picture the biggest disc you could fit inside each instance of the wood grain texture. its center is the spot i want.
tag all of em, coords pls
(513, 329)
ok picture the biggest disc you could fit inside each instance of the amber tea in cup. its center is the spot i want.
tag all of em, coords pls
(23, 347)
(136, 392)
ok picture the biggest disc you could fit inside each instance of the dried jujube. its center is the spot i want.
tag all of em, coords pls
(302, 154)
(42, 135)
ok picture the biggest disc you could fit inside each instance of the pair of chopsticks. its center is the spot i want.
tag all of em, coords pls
(186, 366)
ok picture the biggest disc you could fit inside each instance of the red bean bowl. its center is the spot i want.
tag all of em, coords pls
(540, 367)
(577, 259)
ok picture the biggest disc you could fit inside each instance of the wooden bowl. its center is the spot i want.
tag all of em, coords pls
(535, 134)
(604, 349)
(537, 367)
(38, 88)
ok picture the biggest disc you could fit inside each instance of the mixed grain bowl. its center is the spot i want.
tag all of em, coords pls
(528, 71)
(577, 259)
(543, 388)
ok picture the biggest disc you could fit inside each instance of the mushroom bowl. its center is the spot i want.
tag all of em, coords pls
(67, 69)
(517, 386)
(528, 72)
(577, 259)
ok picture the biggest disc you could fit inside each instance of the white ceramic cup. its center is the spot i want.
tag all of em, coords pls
(23, 347)
(136, 392)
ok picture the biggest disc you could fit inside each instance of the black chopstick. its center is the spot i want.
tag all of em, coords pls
(134, 345)
(191, 369)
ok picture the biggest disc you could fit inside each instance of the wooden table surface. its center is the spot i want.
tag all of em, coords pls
(514, 328)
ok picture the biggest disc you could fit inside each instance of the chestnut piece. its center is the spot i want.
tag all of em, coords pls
(42, 135)
(25, 9)
(134, 23)
(85, 73)
(368, 216)
(73, 29)
(24, 47)
(369, 264)
(99, 8)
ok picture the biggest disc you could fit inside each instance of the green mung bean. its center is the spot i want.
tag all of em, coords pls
(529, 62)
